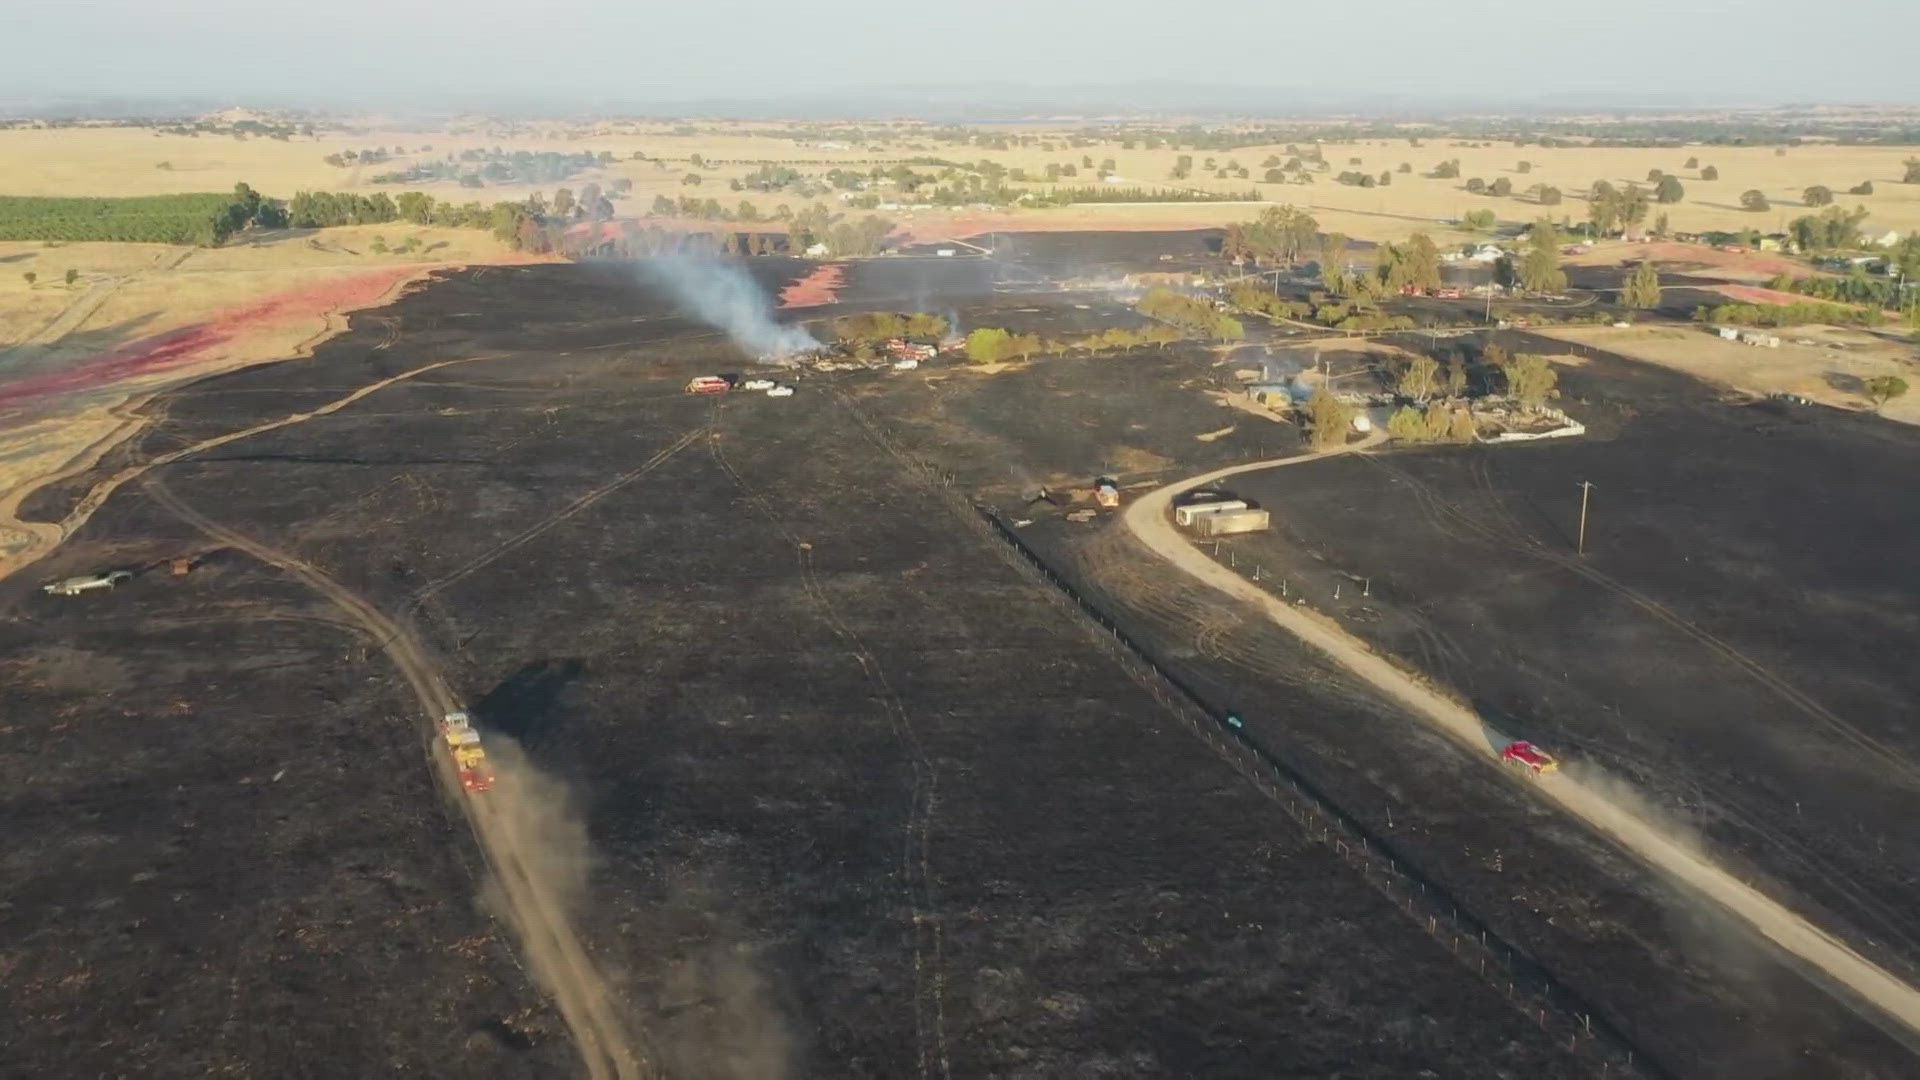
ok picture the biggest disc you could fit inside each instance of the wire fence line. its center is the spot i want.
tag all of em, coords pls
(1532, 989)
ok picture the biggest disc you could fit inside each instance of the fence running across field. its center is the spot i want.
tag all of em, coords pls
(1532, 989)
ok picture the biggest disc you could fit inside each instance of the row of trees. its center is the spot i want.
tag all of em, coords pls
(1191, 314)
(988, 345)
(1434, 423)
(1795, 314)
(875, 326)
(1106, 193)
(206, 220)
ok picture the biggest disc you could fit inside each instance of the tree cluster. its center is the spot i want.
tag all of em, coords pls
(1795, 314)
(989, 345)
(1434, 423)
(1194, 315)
(1614, 210)
(1280, 235)
(884, 325)
(1830, 230)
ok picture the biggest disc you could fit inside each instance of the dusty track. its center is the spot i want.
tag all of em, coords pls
(533, 905)
(1861, 979)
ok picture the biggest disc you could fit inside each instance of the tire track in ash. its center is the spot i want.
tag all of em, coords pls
(533, 906)
(926, 933)
(43, 537)
(534, 531)
(1830, 960)
(1892, 922)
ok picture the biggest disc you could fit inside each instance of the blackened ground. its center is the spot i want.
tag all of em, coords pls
(1704, 996)
(1736, 641)
(223, 850)
(865, 799)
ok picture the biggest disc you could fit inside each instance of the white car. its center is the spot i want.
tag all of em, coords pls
(74, 586)
(906, 365)
(758, 384)
(780, 391)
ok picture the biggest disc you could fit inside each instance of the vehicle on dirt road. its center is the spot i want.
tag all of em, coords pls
(464, 742)
(780, 391)
(1524, 755)
(709, 384)
(74, 586)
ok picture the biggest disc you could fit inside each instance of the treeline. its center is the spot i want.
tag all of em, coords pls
(205, 220)
(476, 168)
(1189, 313)
(875, 326)
(1105, 193)
(1795, 314)
(988, 345)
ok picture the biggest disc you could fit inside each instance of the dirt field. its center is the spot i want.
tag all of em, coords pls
(970, 845)
(123, 161)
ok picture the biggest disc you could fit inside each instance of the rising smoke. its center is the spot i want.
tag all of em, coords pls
(724, 295)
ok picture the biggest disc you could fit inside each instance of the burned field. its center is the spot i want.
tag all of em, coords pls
(1736, 642)
(865, 797)
(1702, 996)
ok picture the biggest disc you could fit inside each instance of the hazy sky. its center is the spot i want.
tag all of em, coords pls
(411, 51)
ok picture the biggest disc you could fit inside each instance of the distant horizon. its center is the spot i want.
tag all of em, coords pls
(954, 102)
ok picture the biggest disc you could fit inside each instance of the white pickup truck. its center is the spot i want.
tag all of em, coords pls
(74, 586)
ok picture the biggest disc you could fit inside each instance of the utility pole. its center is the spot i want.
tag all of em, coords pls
(1586, 489)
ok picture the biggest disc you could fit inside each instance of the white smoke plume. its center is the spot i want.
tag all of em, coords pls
(725, 296)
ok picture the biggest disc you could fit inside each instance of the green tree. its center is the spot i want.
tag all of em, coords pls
(1912, 175)
(1460, 427)
(1524, 168)
(1330, 419)
(1692, 163)
(1546, 194)
(1603, 208)
(988, 345)
(1407, 424)
(1669, 190)
(1710, 173)
(1817, 195)
(1501, 187)
(1864, 187)
(1478, 220)
(1642, 289)
(72, 275)
(1755, 200)
(1539, 270)
(1420, 262)
(30, 277)
(563, 203)
(1418, 377)
(1530, 379)
(1476, 186)
(691, 180)
(1456, 375)
(1884, 388)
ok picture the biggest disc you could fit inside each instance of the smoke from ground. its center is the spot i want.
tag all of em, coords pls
(724, 295)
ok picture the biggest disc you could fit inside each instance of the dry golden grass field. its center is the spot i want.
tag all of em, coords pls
(123, 161)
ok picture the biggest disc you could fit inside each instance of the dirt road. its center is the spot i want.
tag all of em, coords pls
(533, 901)
(1149, 520)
